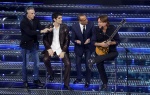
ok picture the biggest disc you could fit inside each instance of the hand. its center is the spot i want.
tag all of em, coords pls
(62, 54)
(50, 52)
(87, 41)
(51, 29)
(108, 43)
(78, 42)
(104, 44)
(45, 30)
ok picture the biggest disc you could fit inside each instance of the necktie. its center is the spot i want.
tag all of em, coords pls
(84, 32)
(83, 29)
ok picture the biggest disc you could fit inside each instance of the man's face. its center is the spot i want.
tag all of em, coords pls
(83, 20)
(101, 24)
(58, 20)
(30, 14)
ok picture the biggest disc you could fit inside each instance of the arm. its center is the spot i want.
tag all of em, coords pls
(116, 38)
(26, 28)
(93, 38)
(45, 42)
(67, 39)
(88, 40)
(73, 37)
(102, 44)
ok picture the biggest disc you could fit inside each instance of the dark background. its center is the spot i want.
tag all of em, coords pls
(102, 2)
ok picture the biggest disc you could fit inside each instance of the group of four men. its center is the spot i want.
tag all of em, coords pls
(56, 40)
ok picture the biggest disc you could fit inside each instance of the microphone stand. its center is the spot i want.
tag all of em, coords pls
(126, 58)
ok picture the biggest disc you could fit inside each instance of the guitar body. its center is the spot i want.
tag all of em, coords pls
(101, 50)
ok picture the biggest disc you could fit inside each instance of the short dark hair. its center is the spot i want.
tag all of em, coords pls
(28, 8)
(79, 15)
(55, 15)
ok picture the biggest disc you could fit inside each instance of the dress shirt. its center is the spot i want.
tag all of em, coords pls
(55, 43)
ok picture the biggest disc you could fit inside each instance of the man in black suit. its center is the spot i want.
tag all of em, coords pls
(56, 43)
(30, 28)
(81, 37)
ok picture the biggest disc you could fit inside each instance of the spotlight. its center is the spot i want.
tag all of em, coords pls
(4, 18)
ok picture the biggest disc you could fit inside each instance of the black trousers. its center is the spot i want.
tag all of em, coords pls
(66, 62)
(99, 60)
(87, 54)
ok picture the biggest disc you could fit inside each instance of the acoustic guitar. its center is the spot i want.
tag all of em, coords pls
(104, 50)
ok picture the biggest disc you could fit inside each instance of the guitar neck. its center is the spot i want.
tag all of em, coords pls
(114, 33)
(119, 26)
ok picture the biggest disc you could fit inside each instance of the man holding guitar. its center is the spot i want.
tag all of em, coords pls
(106, 39)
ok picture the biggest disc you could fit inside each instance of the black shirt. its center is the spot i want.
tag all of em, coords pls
(100, 36)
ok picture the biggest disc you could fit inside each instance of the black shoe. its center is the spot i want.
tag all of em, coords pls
(104, 87)
(25, 84)
(90, 63)
(87, 84)
(51, 77)
(68, 88)
(38, 83)
(77, 81)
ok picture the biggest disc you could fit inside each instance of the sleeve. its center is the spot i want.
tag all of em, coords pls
(25, 27)
(67, 39)
(93, 38)
(116, 37)
(40, 27)
(45, 41)
(92, 30)
(73, 35)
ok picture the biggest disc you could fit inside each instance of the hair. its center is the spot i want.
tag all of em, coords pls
(80, 16)
(104, 18)
(55, 15)
(28, 8)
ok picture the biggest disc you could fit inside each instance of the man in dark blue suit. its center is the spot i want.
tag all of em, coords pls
(81, 37)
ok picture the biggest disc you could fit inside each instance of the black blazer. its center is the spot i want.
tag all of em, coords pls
(76, 34)
(29, 32)
(63, 38)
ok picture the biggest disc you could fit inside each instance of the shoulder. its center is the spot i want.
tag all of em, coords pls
(111, 26)
(75, 24)
(63, 25)
(97, 29)
(36, 20)
(90, 23)
(24, 21)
